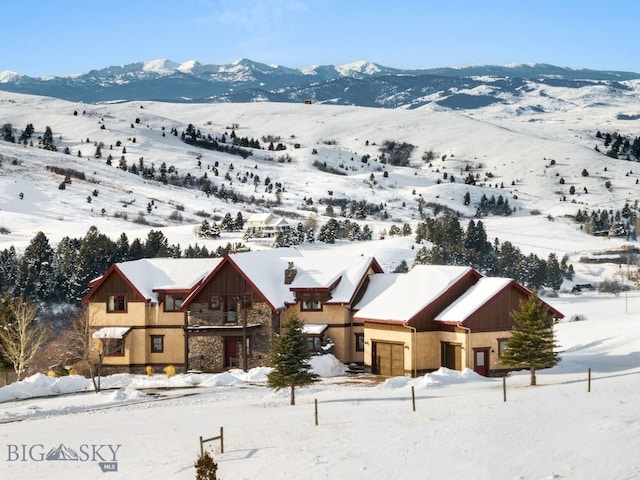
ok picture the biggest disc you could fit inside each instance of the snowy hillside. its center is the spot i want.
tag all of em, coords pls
(461, 426)
(514, 151)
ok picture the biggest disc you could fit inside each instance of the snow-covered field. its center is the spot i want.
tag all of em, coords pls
(461, 427)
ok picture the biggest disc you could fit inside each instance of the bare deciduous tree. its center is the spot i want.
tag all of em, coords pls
(79, 345)
(21, 335)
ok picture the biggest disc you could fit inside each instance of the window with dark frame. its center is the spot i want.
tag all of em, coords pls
(113, 347)
(157, 343)
(311, 301)
(502, 345)
(246, 300)
(359, 342)
(231, 308)
(314, 343)
(215, 302)
(172, 302)
(116, 303)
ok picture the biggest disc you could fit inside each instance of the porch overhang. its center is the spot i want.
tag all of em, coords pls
(111, 332)
(221, 330)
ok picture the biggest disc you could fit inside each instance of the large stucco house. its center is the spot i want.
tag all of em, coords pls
(439, 316)
(216, 314)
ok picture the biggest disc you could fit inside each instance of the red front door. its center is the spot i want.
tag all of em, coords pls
(481, 361)
(230, 352)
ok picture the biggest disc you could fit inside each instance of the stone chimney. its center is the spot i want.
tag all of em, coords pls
(289, 274)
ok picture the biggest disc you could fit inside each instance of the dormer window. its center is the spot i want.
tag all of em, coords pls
(311, 301)
(172, 303)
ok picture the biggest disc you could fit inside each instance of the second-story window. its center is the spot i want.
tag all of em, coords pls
(172, 303)
(116, 303)
(311, 301)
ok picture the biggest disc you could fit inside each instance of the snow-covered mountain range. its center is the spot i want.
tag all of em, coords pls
(359, 83)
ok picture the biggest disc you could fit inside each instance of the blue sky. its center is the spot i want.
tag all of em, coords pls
(76, 36)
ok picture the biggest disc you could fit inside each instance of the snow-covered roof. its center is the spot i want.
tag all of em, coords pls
(149, 275)
(111, 332)
(266, 220)
(314, 329)
(473, 299)
(411, 292)
(378, 283)
(265, 269)
(259, 217)
(323, 272)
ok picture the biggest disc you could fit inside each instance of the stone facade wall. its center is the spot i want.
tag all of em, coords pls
(206, 349)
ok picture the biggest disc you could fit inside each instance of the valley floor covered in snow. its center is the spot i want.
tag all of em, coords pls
(461, 427)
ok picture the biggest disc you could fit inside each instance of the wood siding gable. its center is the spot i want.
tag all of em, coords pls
(226, 279)
(424, 320)
(113, 282)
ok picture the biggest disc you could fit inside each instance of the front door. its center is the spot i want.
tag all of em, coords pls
(230, 352)
(481, 361)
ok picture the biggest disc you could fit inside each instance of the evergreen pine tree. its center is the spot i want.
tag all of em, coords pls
(156, 245)
(122, 249)
(46, 141)
(136, 251)
(204, 230)
(8, 268)
(206, 468)
(554, 277)
(36, 279)
(532, 342)
(65, 264)
(239, 223)
(290, 359)
(227, 223)
(328, 231)
(402, 267)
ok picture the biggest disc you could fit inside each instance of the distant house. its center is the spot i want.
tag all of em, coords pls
(266, 225)
(438, 316)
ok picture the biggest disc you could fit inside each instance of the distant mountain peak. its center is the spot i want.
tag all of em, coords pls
(360, 66)
(246, 80)
(160, 66)
(9, 76)
(188, 66)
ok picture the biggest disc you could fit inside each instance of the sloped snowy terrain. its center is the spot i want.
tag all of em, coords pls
(367, 428)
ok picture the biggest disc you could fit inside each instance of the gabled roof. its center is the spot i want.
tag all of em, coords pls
(410, 293)
(264, 270)
(474, 298)
(266, 219)
(478, 295)
(259, 218)
(340, 275)
(148, 276)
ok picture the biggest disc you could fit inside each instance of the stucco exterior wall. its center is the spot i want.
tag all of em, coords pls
(339, 330)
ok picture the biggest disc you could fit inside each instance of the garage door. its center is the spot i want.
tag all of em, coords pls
(388, 359)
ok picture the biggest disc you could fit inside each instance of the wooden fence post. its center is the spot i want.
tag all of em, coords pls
(413, 397)
(589, 382)
(504, 389)
(205, 440)
(316, 407)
